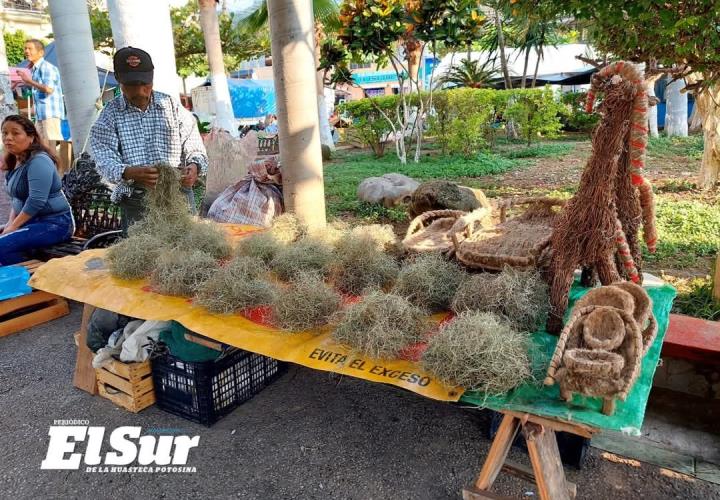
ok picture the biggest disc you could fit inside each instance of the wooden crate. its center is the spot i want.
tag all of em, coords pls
(129, 385)
(30, 310)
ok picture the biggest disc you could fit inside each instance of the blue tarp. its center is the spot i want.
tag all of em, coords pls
(252, 98)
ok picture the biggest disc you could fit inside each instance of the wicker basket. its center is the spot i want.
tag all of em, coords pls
(517, 242)
(430, 231)
(571, 343)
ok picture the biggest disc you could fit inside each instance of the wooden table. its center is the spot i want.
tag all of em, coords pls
(547, 471)
(539, 433)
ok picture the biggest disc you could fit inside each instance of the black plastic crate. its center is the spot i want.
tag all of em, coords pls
(204, 392)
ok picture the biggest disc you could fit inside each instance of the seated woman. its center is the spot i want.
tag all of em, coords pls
(40, 214)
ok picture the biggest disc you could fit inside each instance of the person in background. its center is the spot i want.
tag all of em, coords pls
(271, 126)
(44, 81)
(40, 214)
(139, 129)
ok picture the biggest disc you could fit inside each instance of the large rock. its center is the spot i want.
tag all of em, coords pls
(445, 195)
(389, 190)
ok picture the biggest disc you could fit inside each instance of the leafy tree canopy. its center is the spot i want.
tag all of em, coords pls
(671, 32)
(238, 42)
(14, 45)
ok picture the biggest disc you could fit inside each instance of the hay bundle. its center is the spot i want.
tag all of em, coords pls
(262, 245)
(479, 351)
(360, 265)
(206, 237)
(306, 304)
(182, 273)
(287, 228)
(519, 296)
(135, 257)
(305, 255)
(430, 282)
(236, 286)
(381, 325)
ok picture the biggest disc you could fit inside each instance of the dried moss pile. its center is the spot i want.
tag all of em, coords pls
(261, 245)
(236, 286)
(430, 282)
(382, 234)
(361, 266)
(479, 351)
(134, 258)
(306, 304)
(305, 255)
(381, 325)
(205, 237)
(331, 234)
(519, 296)
(287, 228)
(182, 273)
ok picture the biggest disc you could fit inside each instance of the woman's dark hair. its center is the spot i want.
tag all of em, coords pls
(37, 146)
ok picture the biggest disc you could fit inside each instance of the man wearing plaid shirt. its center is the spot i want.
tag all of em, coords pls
(140, 129)
(46, 91)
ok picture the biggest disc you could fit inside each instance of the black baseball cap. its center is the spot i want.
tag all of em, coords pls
(133, 66)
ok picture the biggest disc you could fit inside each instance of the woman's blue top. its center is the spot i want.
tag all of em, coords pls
(35, 187)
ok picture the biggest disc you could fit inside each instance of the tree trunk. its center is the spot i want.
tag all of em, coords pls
(501, 48)
(294, 71)
(539, 51)
(413, 53)
(7, 101)
(652, 110)
(676, 110)
(146, 25)
(326, 138)
(76, 61)
(525, 67)
(224, 116)
(707, 105)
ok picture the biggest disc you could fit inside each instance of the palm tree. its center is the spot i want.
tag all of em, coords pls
(76, 59)
(469, 73)
(225, 118)
(326, 13)
(147, 25)
(291, 29)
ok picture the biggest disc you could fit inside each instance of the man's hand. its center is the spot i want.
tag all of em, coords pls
(189, 176)
(25, 77)
(147, 176)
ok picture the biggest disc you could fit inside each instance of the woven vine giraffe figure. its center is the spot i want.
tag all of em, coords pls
(598, 228)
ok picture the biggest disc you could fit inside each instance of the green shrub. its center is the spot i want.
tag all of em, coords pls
(535, 112)
(368, 121)
(574, 118)
(462, 120)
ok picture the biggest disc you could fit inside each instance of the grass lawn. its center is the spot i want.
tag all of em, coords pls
(688, 220)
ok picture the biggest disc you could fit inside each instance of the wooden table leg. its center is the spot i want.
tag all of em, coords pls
(498, 452)
(547, 471)
(496, 458)
(84, 377)
(546, 463)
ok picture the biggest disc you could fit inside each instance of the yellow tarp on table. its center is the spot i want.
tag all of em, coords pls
(85, 278)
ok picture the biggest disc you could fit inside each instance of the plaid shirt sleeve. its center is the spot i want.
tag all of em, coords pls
(48, 105)
(104, 145)
(193, 149)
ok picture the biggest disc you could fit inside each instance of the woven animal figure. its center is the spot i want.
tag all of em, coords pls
(598, 229)
(600, 350)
